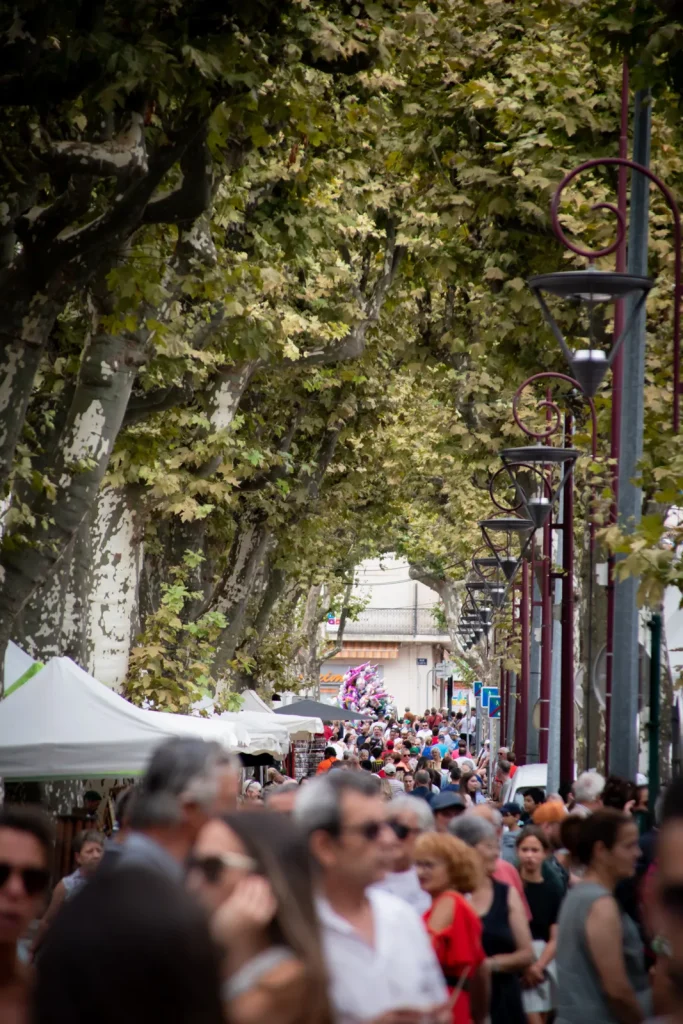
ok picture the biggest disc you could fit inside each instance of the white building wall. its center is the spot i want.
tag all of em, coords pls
(410, 684)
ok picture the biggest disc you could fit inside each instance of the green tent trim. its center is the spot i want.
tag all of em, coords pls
(26, 676)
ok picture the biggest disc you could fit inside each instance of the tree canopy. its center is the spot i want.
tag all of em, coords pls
(265, 308)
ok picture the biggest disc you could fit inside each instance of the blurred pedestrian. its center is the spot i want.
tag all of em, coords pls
(378, 955)
(544, 898)
(511, 814)
(549, 818)
(600, 958)
(282, 798)
(252, 794)
(252, 871)
(588, 790)
(423, 786)
(88, 850)
(447, 869)
(329, 757)
(505, 930)
(130, 948)
(177, 795)
(533, 798)
(446, 807)
(409, 819)
(26, 844)
(471, 789)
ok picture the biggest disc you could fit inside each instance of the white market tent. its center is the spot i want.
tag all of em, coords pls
(269, 734)
(252, 702)
(17, 664)
(267, 730)
(62, 723)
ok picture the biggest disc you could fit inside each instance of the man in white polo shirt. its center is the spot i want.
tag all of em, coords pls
(379, 958)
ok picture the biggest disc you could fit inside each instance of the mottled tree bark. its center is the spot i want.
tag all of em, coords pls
(105, 380)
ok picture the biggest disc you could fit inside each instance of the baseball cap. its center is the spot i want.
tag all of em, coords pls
(447, 801)
(390, 769)
(511, 808)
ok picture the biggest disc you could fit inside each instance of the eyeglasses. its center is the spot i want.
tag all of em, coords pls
(213, 866)
(403, 831)
(34, 880)
(369, 830)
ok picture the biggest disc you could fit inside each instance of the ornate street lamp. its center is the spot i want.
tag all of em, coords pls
(539, 473)
(511, 526)
(593, 288)
(492, 593)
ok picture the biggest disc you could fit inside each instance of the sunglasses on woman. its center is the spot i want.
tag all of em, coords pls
(213, 865)
(34, 880)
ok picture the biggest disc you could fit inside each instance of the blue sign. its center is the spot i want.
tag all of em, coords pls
(494, 706)
(486, 692)
(477, 688)
(422, 661)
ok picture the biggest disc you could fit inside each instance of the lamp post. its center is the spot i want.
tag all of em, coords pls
(539, 473)
(622, 629)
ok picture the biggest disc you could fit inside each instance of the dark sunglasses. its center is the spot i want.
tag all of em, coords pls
(402, 831)
(369, 830)
(34, 880)
(212, 868)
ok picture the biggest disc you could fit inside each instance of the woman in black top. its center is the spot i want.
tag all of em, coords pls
(505, 932)
(544, 896)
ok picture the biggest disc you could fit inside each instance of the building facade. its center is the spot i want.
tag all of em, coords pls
(400, 630)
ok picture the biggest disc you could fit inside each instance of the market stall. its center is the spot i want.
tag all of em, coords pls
(63, 724)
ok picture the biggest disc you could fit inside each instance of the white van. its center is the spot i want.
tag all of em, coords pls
(527, 776)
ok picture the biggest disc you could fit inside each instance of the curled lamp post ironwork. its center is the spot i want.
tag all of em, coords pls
(593, 254)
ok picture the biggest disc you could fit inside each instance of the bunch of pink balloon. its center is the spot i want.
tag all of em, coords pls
(363, 690)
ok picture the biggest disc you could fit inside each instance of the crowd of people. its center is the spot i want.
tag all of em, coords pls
(396, 893)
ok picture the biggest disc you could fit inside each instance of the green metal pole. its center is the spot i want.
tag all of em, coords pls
(655, 674)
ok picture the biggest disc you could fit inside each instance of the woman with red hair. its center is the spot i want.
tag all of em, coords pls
(548, 817)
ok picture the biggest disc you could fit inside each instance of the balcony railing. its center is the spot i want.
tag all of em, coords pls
(394, 622)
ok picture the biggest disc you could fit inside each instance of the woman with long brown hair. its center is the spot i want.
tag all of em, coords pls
(253, 873)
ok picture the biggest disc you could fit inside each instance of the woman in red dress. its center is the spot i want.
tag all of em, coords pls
(447, 868)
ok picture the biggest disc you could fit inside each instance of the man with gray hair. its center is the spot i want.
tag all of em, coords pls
(183, 787)
(408, 818)
(588, 790)
(380, 961)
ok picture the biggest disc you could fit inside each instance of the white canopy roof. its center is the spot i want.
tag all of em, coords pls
(62, 723)
(17, 662)
(252, 702)
(271, 734)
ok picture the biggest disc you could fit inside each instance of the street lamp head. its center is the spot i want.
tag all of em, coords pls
(511, 526)
(538, 472)
(593, 287)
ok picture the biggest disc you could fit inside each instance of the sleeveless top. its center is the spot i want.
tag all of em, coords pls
(73, 883)
(497, 939)
(459, 951)
(580, 996)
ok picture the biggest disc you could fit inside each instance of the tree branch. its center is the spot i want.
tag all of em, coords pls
(123, 157)
(193, 197)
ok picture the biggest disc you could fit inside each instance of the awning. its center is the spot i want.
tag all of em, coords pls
(368, 650)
